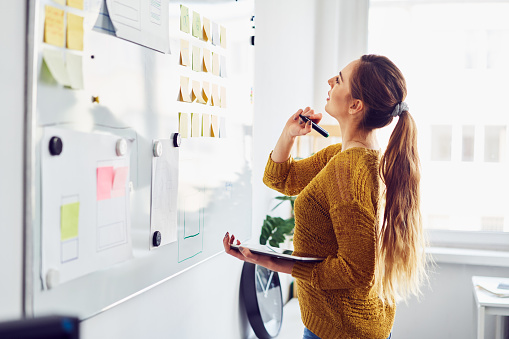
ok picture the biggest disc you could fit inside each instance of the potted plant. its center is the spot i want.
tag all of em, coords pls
(275, 230)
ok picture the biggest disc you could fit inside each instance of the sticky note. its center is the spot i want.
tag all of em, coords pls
(206, 126)
(74, 32)
(104, 182)
(60, 2)
(54, 60)
(205, 91)
(206, 29)
(223, 97)
(74, 68)
(184, 19)
(197, 30)
(222, 127)
(215, 96)
(196, 59)
(69, 220)
(54, 26)
(184, 90)
(206, 61)
(215, 127)
(184, 125)
(75, 3)
(215, 34)
(215, 64)
(195, 125)
(184, 53)
(223, 37)
(119, 181)
(196, 93)
(222, 72)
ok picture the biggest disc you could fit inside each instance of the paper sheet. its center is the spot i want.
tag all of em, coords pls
(184, 53)
(54, 29)
(144, 22)
(74, 32)
(215, 34)
(164, 192)
(81, 234)
(197, 61)
(184, 19)
(184, 125)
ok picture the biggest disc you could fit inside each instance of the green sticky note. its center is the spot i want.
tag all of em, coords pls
(69, 220)
(184, 19)
(197, 29)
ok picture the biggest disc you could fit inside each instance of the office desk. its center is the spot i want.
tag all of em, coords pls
(488, 303)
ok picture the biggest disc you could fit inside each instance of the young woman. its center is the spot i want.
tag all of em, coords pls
(341, 200)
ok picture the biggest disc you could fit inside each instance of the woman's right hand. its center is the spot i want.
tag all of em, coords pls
(296, 127)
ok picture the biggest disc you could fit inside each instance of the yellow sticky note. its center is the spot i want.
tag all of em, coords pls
(184, 125)
(74, 32)
(60, 2)
(195, 125)
(196, 59)
(75, 3)
(223, 97)
(215, 127)
(215, 64)
(54, 26)
(215, 96)
(184, 90)
(74, 68)
(69, 220)
(206, 61)
(205, 91)
(197, 30)
(206, 126)
(223, 37)
(184, 52)
(184, 19)
(196, 93)
(206, 29)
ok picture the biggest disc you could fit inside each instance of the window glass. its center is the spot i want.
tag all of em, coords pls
(455, 58)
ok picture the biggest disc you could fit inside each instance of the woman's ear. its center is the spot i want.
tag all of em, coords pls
(357, 106)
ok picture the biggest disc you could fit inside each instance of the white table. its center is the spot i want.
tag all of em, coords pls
(488, 303)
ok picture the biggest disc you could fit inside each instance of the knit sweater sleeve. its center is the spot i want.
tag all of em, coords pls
(290, 177)
(353, 218)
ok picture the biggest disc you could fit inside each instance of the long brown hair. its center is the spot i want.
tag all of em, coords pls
(401, 260)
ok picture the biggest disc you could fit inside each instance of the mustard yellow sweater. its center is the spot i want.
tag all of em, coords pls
(336, 218)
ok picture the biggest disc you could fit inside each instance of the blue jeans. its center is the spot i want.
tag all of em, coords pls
(310, 335)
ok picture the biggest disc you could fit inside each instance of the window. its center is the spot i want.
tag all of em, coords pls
(454, 56)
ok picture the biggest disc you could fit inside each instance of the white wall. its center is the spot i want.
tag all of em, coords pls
(12, 81)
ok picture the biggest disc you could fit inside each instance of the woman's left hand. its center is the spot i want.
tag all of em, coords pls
(244, 254)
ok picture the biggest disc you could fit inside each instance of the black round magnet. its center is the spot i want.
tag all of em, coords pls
(156, 239)
(176, 140)
(55, 146)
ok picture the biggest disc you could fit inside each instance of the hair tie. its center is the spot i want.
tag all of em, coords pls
(399, 108)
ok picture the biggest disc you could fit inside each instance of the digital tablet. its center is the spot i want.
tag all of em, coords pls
(266, 250)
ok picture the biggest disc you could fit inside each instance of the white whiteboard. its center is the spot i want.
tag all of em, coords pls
(136, 99)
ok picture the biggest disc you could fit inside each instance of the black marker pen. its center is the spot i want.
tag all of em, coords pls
(315, 126)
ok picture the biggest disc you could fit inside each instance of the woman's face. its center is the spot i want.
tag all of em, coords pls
(340, 97)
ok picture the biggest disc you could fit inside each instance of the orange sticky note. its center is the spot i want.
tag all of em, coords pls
(215, 127)
(196, 92)
(205, 91)
(215, 96)
(54, 26)
(206, 29)
(206, 61)
(104, 182)
(74, 32)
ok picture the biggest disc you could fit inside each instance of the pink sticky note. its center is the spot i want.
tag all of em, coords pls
(119, 181)
(104, 182)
